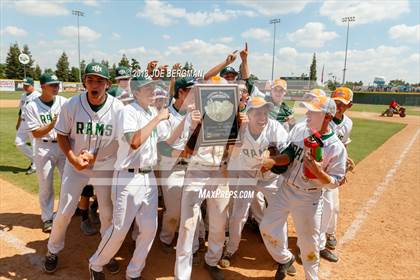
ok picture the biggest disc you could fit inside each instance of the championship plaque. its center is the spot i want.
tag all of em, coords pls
(218, 105)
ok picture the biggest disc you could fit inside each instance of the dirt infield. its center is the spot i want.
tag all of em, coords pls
(9, 103)
(379, 227)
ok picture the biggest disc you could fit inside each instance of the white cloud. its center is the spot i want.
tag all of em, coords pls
(166, 37)
(41, 8)
(402, 32)
(161, 13)
(312, 35)
(223, 40)
(165, 14)
(86, 34)
(13, 31)
(198, 47)
(274, 7)
(217, 15)
(390, 62)
(364, 11)
(115, 36)
(133, 51)
(256, 33)
(92, 3)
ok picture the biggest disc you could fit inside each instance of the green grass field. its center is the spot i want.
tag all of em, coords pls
(366, 137)
(10, 95)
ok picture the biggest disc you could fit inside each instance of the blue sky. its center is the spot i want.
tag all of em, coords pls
(384, 39)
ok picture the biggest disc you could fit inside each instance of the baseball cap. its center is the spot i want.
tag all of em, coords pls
(343, 94)
(97, 69)
(321, 104)
(185, 82)
(279, 83)
(28, 81)
(140, 81)
(122, 72)
(256, 102)
(160, 93)
(228, 69)
(48, 78)
(314, 93)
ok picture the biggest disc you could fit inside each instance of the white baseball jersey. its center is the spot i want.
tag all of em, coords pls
(133, 118)
(206, 156)
(272, 134)
(334, 157)
(343, 129)
(38, 114)
(25, 98)
(174, 120)
(93, 131)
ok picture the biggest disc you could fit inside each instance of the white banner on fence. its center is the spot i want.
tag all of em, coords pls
(7, 85)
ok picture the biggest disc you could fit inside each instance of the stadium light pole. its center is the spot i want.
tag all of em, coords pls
(274, 21)
(78, 14)
(348, 20)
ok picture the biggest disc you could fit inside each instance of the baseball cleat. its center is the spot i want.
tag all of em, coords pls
(196, 259)
(226, 259)
(202, 245)
(215, 272)
(113, 267)
(331, 241)
(167, 248)
(283, 269)
(328, 255)
(47, 226)
(87, 228)
(94, 216)
(94, 275)
(50, 263)
(31, 169)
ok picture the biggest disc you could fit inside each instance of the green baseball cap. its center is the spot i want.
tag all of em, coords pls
(140, 81)
(185, 82)
(48, 78)
(28, 81)
(97, 69)
(228, 69)
(122, 72)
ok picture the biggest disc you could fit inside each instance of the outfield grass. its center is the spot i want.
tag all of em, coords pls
(10, 95)
(367, 136)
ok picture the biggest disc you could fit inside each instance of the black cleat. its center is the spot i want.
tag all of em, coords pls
(50, 263)
(331, 242)
(283, 269)
(328, 255)
(113, 267)
(215, 272)
(47, 226)
(94, 275)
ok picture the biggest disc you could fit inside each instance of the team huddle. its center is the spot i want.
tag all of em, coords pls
(125, 146)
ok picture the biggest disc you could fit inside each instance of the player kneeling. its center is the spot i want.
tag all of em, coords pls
(134, 188)
(300, 193)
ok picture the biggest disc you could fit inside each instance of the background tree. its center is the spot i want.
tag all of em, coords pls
(82, 67)
(124, 61)
(312, 69)
(112, 73)
(48, 70)
(14, 70)
(74, 74)
(37, 72)
(397, 82)
(135, 64)
(2, 70)
(29, 68)
(63, 71)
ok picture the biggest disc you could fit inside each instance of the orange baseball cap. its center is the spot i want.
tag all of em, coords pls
(343, 94)
(321, 104)
(256, 102)
(279, 83)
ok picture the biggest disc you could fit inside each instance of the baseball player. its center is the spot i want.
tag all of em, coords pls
(87, 135)
(342, 126)
(260, 133)
(174, 164)
(21, 135)
(40, 117)
(227, 72)
(134, 189)
(300, 195)
(122, 90)
(205, 172)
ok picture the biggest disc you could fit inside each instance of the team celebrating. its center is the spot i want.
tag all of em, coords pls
(125, 146)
